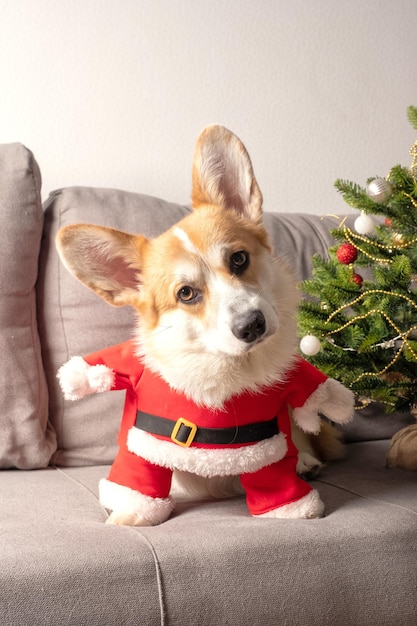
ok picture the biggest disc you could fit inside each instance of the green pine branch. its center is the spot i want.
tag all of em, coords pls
(412, 116)
(366, 330)
(355, 195)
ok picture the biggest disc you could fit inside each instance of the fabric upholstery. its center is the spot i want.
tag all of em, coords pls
(26, 441)
(62, 565)
(212, 563)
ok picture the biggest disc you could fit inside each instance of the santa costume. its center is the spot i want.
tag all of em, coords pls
(162, 431)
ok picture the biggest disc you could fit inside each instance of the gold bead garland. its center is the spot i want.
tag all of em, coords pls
(400, 334)
(352, 237)
(410, 197)
(413, 153)
(365, 402)
(366, 293)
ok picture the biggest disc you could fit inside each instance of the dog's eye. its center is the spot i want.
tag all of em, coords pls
(187, 294)
(239, 261)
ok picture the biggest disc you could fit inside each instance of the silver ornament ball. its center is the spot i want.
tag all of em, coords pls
(379, 190)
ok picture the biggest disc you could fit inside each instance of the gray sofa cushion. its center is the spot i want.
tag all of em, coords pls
(26, 439)
(211, 563)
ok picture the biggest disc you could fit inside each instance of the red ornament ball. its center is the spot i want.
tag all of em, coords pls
(347, 253)
(357, 278)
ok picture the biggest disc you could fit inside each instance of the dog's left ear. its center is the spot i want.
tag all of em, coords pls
(223, 174)
(106, 260)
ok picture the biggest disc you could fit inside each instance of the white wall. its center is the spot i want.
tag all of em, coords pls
(115, 92)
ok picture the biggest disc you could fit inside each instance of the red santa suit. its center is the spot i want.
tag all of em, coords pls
(162, 430)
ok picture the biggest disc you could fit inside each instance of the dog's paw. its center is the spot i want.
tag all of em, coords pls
(133, 508)
(308, 467)
(127, 519)
(308, 507)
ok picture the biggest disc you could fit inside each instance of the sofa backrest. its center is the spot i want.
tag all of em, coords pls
(71, 320)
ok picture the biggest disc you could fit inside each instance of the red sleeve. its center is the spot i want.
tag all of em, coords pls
(302, 382)
(122, 360)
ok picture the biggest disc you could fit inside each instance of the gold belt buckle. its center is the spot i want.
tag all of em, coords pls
(193, 429)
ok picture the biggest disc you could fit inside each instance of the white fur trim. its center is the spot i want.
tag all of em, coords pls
(307, 507)
(330, 398)
(207, 461)
(100, 378)
(128, 502)
(73, 378)
(77, 378)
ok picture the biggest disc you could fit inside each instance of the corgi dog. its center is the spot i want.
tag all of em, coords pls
(212, 368)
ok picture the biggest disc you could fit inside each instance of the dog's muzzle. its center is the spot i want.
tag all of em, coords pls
(250, 326)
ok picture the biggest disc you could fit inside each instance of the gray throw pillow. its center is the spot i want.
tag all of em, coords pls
(27, 441)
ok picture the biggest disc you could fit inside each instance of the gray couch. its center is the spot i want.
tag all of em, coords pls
(211, 563)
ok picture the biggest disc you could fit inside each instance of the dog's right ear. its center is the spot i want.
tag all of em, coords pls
(106, 260)
(223, 174)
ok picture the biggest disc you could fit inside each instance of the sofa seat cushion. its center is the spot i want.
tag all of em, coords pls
(212, 563)
(61, 564)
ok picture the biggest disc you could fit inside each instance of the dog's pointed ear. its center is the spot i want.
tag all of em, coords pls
(106, 260)
(223, 174)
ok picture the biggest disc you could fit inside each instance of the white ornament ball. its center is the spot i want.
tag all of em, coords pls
(310, 345)
(379, 190)
(364, 224)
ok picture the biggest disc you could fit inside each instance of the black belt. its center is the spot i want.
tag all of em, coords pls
(184, 432)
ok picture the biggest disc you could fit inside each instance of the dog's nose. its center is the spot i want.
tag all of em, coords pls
(250, 327)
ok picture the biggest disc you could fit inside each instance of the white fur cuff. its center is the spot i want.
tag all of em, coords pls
(332, 399)
(307, 507)
(122, 499)
(77, 378)
(207, 462)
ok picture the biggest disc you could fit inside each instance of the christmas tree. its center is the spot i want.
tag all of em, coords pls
(359, 321)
